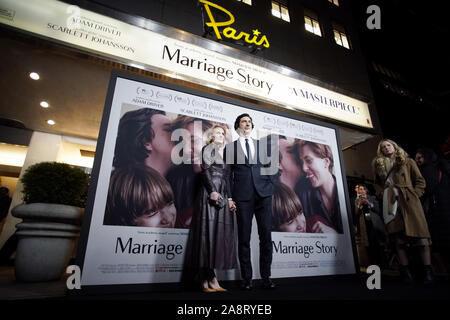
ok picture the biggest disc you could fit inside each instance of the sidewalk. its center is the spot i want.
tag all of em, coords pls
(10, 289)
(345, 287)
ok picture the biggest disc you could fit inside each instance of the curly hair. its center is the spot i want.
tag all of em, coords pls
(381, 163)
(238, 120)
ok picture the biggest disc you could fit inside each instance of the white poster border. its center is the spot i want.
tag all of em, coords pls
(98, 241)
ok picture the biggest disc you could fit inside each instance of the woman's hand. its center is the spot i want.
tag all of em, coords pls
(214, 196)
(320, 227)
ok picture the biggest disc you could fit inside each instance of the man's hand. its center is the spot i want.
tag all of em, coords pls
(232, 205)
(363, 201)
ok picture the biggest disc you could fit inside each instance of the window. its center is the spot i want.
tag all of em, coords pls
(335, 2)
(249, 2)
(280, 11)
(340, 36)
(312, 23)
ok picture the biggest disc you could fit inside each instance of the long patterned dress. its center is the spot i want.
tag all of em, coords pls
(211, 242)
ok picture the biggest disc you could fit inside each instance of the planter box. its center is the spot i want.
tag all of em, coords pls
(47, 238)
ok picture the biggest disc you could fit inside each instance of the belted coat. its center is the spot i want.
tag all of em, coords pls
(408, 180)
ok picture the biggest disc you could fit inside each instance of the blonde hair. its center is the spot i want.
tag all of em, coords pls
(381, 164)
(399, 152)
(211, 132)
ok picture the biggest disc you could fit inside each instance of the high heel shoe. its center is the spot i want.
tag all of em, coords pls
(208, 289)
(220, 289)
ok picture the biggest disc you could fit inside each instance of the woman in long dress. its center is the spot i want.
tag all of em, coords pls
(211, 243)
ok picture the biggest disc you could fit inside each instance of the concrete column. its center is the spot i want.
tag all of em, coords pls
(42, 147)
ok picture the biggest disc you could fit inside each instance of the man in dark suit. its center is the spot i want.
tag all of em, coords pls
(250, 189)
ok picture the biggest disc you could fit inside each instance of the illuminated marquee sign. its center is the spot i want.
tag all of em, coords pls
(108, 37)
(229, 32)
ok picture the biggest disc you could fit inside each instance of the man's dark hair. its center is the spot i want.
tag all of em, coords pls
(238, 120)
(364, 186)
(135, 130)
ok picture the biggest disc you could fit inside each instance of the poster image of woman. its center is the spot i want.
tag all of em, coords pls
(318, 193)
(185, 178)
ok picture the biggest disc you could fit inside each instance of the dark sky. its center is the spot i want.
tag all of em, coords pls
(414, 40)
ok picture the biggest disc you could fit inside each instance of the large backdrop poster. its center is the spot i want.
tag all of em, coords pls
(137, 222)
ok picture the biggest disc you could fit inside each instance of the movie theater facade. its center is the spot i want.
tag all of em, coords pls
(296, 67)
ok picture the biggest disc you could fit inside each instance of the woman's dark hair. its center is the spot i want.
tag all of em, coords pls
(135, 130)
(238, 120)
(321, 150)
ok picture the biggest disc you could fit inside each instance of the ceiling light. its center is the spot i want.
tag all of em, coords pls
(44, 104)
(34, 76)
(51, 122)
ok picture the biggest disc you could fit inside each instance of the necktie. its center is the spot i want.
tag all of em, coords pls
(247, 147)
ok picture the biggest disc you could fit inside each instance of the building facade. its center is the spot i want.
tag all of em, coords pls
(309, 42)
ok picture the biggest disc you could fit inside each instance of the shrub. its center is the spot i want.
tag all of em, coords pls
(52, 182)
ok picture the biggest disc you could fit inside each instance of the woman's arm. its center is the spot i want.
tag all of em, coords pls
(206, 170)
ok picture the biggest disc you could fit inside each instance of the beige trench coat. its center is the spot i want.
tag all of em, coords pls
(411, 185)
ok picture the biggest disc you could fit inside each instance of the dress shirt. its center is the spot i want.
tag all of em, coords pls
(251, 144)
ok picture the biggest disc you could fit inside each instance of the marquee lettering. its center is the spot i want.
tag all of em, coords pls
(230, 32)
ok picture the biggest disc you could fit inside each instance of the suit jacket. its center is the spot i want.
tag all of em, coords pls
(376, 218)
(241, 177)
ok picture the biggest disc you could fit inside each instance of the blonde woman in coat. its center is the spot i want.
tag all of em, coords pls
(398, 179)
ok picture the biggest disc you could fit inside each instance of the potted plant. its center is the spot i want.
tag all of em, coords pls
(54, 198)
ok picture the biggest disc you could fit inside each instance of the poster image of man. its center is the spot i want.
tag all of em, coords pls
(170, 146)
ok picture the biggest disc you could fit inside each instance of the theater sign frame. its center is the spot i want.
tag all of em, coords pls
(152, 46)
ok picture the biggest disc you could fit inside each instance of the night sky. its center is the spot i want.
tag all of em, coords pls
(414, 41)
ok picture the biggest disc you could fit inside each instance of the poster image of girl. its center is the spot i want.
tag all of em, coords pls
(139, 196)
